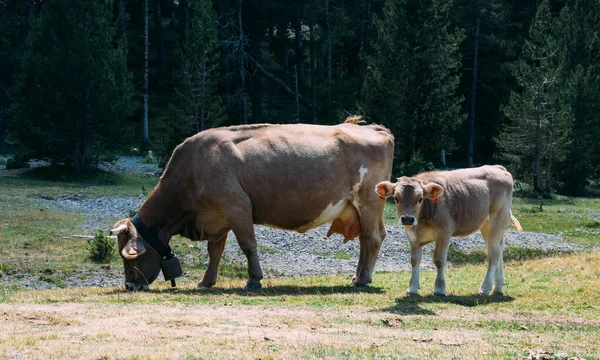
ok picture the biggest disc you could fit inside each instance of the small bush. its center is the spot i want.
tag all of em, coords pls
(19, 161)
(416, 165)
(150, 158)
(101, 248)
(3, 160)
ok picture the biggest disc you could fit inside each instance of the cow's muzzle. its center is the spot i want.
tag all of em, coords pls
(133, 286)
(408, 220)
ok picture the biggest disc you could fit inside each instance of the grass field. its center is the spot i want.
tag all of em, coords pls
(551, 302)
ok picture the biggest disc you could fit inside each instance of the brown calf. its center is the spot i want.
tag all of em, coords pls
(434, 206)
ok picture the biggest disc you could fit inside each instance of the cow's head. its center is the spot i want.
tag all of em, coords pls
(140, 260)
(408, 195)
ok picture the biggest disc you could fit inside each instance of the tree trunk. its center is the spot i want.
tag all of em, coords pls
(121, 18)
(2, 129)
(160, 44)
(85, 142)
(299, 50)
(313, 112)
(223, 12)
(471, 140)
(364, 43)
(256, 95)
(242, 65)
(184, 16)
(173, 24)
(146, 138)
(297, 94)
(202, 125)
(329, 46)
(537, 185)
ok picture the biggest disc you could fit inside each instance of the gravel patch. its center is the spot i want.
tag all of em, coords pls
(130, 165)
(281, 252)
(286, 253)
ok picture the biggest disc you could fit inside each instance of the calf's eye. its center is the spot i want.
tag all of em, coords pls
(420, 200)
(396, 200)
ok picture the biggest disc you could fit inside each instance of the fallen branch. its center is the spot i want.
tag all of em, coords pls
(274, 79)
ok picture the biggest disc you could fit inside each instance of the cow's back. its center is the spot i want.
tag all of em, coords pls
(290, 172)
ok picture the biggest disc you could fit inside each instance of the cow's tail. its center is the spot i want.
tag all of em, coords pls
(515, 222)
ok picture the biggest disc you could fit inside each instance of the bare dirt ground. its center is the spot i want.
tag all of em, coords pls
(116, 331)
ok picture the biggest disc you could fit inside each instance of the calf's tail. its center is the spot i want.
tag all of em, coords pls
(515, 222)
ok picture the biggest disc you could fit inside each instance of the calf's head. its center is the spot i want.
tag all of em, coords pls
(140, 260)
(409, 194)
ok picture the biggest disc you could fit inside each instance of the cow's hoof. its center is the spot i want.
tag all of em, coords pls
(360, 284)
(252, 286)
(483, 293)
(203, 285)
(440, 294)
(498, 293)
(412, 294)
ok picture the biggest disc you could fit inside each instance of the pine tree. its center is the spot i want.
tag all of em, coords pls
(67, 98)
(582, 29)
(540, 116)
(413, 78)
(197, 104)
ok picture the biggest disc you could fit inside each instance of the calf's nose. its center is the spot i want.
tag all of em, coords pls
(407, 220)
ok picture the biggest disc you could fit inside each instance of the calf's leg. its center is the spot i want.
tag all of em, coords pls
(215, 250)
(493, 234)
(440, 255)
(416, 253)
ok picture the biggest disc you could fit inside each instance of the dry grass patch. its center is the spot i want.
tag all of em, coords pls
(551, 304)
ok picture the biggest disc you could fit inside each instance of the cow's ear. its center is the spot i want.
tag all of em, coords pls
(432, 191)
(385, 189)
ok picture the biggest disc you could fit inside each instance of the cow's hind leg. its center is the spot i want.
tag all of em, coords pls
(215, 250)
(239, 218)
(372, 234)
(440, 255)
(493, 234)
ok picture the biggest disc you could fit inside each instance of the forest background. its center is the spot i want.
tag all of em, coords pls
(459, 82)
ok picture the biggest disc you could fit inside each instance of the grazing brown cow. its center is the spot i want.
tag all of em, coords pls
(434, 206)
(293, 177)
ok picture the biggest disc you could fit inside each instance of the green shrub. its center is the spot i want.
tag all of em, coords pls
(416, 165)
(3, 160)
(150, 158)
(19, 161)
(101, 248)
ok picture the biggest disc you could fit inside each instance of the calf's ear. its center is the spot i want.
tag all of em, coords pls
(432, 191)
(385, 189)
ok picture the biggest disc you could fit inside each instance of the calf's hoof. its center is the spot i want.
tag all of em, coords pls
(440, 294)
(498, 293)
(411, 293)
(253, 285)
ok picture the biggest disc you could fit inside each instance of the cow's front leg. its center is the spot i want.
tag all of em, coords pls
(215, 250)
(416, 253)
(440, 255)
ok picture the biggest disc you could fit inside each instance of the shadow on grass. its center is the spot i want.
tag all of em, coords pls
(275, 290)
(479, 256)
(411, 305)
(67, 174)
